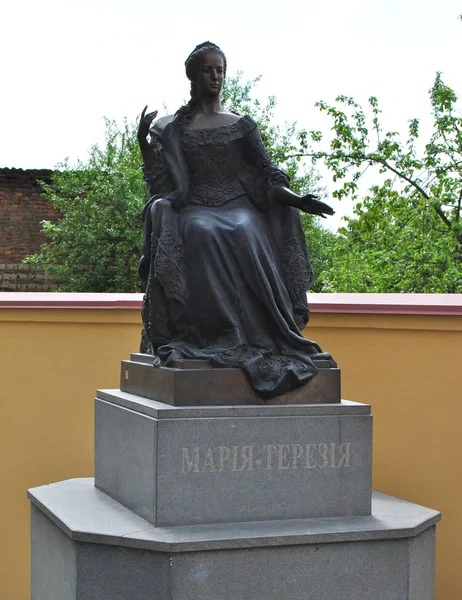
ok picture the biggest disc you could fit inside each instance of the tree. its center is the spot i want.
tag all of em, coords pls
(96, 244)
(406, 235)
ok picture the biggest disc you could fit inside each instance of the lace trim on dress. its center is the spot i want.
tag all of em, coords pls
(169, 266)
(297, 269)
(222, 134)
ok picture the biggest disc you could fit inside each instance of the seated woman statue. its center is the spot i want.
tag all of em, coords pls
(224, 264)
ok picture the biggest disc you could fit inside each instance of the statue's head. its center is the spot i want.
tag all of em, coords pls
(206, 69)
(195, 59)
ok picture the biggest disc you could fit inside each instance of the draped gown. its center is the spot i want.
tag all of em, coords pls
(226, 269)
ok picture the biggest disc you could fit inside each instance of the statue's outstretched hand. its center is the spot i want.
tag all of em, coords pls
(310, 204)
(144, 124)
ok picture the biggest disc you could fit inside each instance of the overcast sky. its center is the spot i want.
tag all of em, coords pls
(67, 64)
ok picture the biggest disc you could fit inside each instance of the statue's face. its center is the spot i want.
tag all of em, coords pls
(209, 79)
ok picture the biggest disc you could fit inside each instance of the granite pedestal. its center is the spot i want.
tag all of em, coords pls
(187, 466)
(87, 546)
(251, 502)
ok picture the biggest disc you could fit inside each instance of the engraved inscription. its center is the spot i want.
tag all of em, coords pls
(270, 457)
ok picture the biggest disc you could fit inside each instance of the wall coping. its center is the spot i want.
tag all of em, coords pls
(398, 304)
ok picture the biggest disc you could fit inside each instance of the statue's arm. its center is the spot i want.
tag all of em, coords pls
(310, 204)
(155, 169)
(278, 181)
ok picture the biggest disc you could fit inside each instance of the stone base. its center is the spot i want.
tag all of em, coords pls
(86, 546)
(190, 466)
(196, 383)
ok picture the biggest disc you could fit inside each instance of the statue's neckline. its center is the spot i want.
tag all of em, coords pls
(233, 124)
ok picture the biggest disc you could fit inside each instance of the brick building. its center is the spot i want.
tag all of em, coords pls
(21, 211)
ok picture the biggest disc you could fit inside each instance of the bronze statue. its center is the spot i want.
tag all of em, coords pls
(224, 266)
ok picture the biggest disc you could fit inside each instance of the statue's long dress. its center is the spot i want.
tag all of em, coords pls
(228, 272)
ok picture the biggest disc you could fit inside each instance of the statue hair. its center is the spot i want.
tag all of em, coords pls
(192, 65)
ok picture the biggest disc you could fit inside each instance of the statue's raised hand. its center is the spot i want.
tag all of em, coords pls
(310, 204)
(144, 125)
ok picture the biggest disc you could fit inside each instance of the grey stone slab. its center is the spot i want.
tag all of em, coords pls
(88, 515)
(422, 566)
(108, 573)
(225, 468)
(376, 570)
(125, 457)
(54, 564)
(385, 505)
(381, 568)
(86, 481)
(63, 569)
(160, 410)
(263, 468)
(274, 533)
(217, 386)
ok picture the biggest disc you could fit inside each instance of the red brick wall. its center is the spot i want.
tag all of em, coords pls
(21, 211)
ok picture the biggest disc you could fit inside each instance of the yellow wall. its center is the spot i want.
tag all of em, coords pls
(51, 362)
(407, 367)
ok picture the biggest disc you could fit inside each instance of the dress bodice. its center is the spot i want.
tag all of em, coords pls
(214, 159)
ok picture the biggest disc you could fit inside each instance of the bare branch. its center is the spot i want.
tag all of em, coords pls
(445, 170)
(403, 176)
(451, 148)
(442, 216)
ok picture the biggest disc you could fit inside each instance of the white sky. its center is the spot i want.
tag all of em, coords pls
(65, 64)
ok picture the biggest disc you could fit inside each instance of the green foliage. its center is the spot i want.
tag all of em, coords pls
(406, 235)
(282, 142)
(96, 244)
(322, 245)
